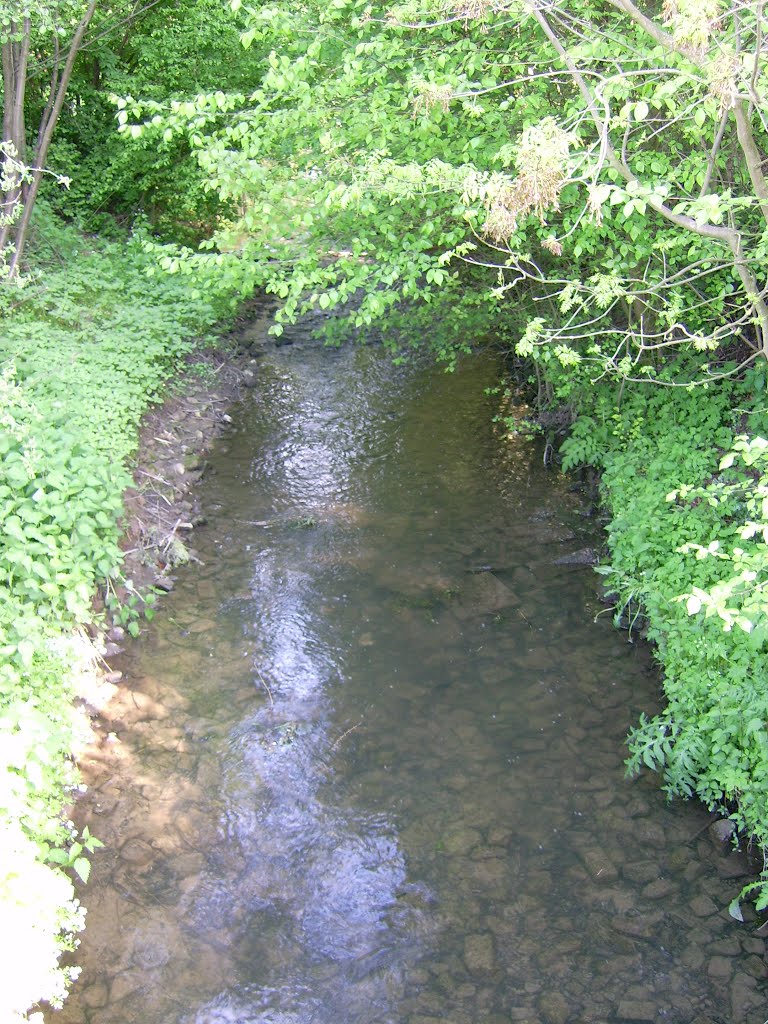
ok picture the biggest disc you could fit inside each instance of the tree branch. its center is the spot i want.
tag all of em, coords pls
(752, 155)
(713, 154)
(730, 236)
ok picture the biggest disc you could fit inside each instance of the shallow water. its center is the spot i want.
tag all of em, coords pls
(367, 766)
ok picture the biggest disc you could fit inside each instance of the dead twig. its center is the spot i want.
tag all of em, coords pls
(171, 536)
(345, 734)
(159, 479)
(266, 686)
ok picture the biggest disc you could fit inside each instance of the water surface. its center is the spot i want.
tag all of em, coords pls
(367, 766)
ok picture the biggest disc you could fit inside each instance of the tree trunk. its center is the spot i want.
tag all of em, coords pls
(21, 191)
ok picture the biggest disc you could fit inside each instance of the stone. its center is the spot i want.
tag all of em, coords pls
(137, 852)
(721, 832)
(755, 966)
(105, 803)
(659, 889)
(702, 906)
(492, 872)
(694, 869)
(499, 836)
(641, 871)
(638, 807)
(603, 799)
(584, 556)
(150, 955)
(641, 927)
(753, 945)
(599, 866)
(203, 626)
(648, 832)
(735, 865)
(130, 706)
(720, 968)
(554, 1008)
(96, 995)
(459, 843)
(692, 958)
(633, 1009)
(745, 997)
(729, 946)
(125, 983)
(479, 953)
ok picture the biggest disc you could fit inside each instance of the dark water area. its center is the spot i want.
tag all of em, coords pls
(367, 763)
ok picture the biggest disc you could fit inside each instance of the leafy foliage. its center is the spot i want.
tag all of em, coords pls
(169, 50)
(740, 489)
(384, 149)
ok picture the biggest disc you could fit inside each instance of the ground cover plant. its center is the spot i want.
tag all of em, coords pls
(684, 487)
(86, 346)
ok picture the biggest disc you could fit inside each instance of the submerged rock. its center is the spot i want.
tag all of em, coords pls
(630, 1009)
(554, 1008)
(584, 556)
(137, 852)
(479, 953)
(599, 866)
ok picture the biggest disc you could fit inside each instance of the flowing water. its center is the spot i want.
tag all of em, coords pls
(366, 766)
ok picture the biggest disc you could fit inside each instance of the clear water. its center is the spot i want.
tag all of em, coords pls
(368, 765)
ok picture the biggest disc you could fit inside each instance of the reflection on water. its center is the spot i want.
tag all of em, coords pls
(368, 763)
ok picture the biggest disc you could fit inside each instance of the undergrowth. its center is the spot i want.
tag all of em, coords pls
(87, 344)
(678, 505)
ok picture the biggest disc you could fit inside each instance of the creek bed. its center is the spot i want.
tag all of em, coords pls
(367, 763)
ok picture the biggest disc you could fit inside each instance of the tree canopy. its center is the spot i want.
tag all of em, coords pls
(591, 171)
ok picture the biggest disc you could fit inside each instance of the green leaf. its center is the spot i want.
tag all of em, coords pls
(82, 867)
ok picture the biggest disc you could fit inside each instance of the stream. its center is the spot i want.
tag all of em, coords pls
(366, 764)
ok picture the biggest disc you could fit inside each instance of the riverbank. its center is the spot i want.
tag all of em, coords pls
(95, 484)
(682, 482)
(161, 509)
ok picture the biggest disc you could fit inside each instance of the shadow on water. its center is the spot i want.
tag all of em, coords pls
(368, 763)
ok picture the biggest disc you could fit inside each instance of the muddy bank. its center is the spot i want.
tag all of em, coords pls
(162, 508)
(162, 512)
